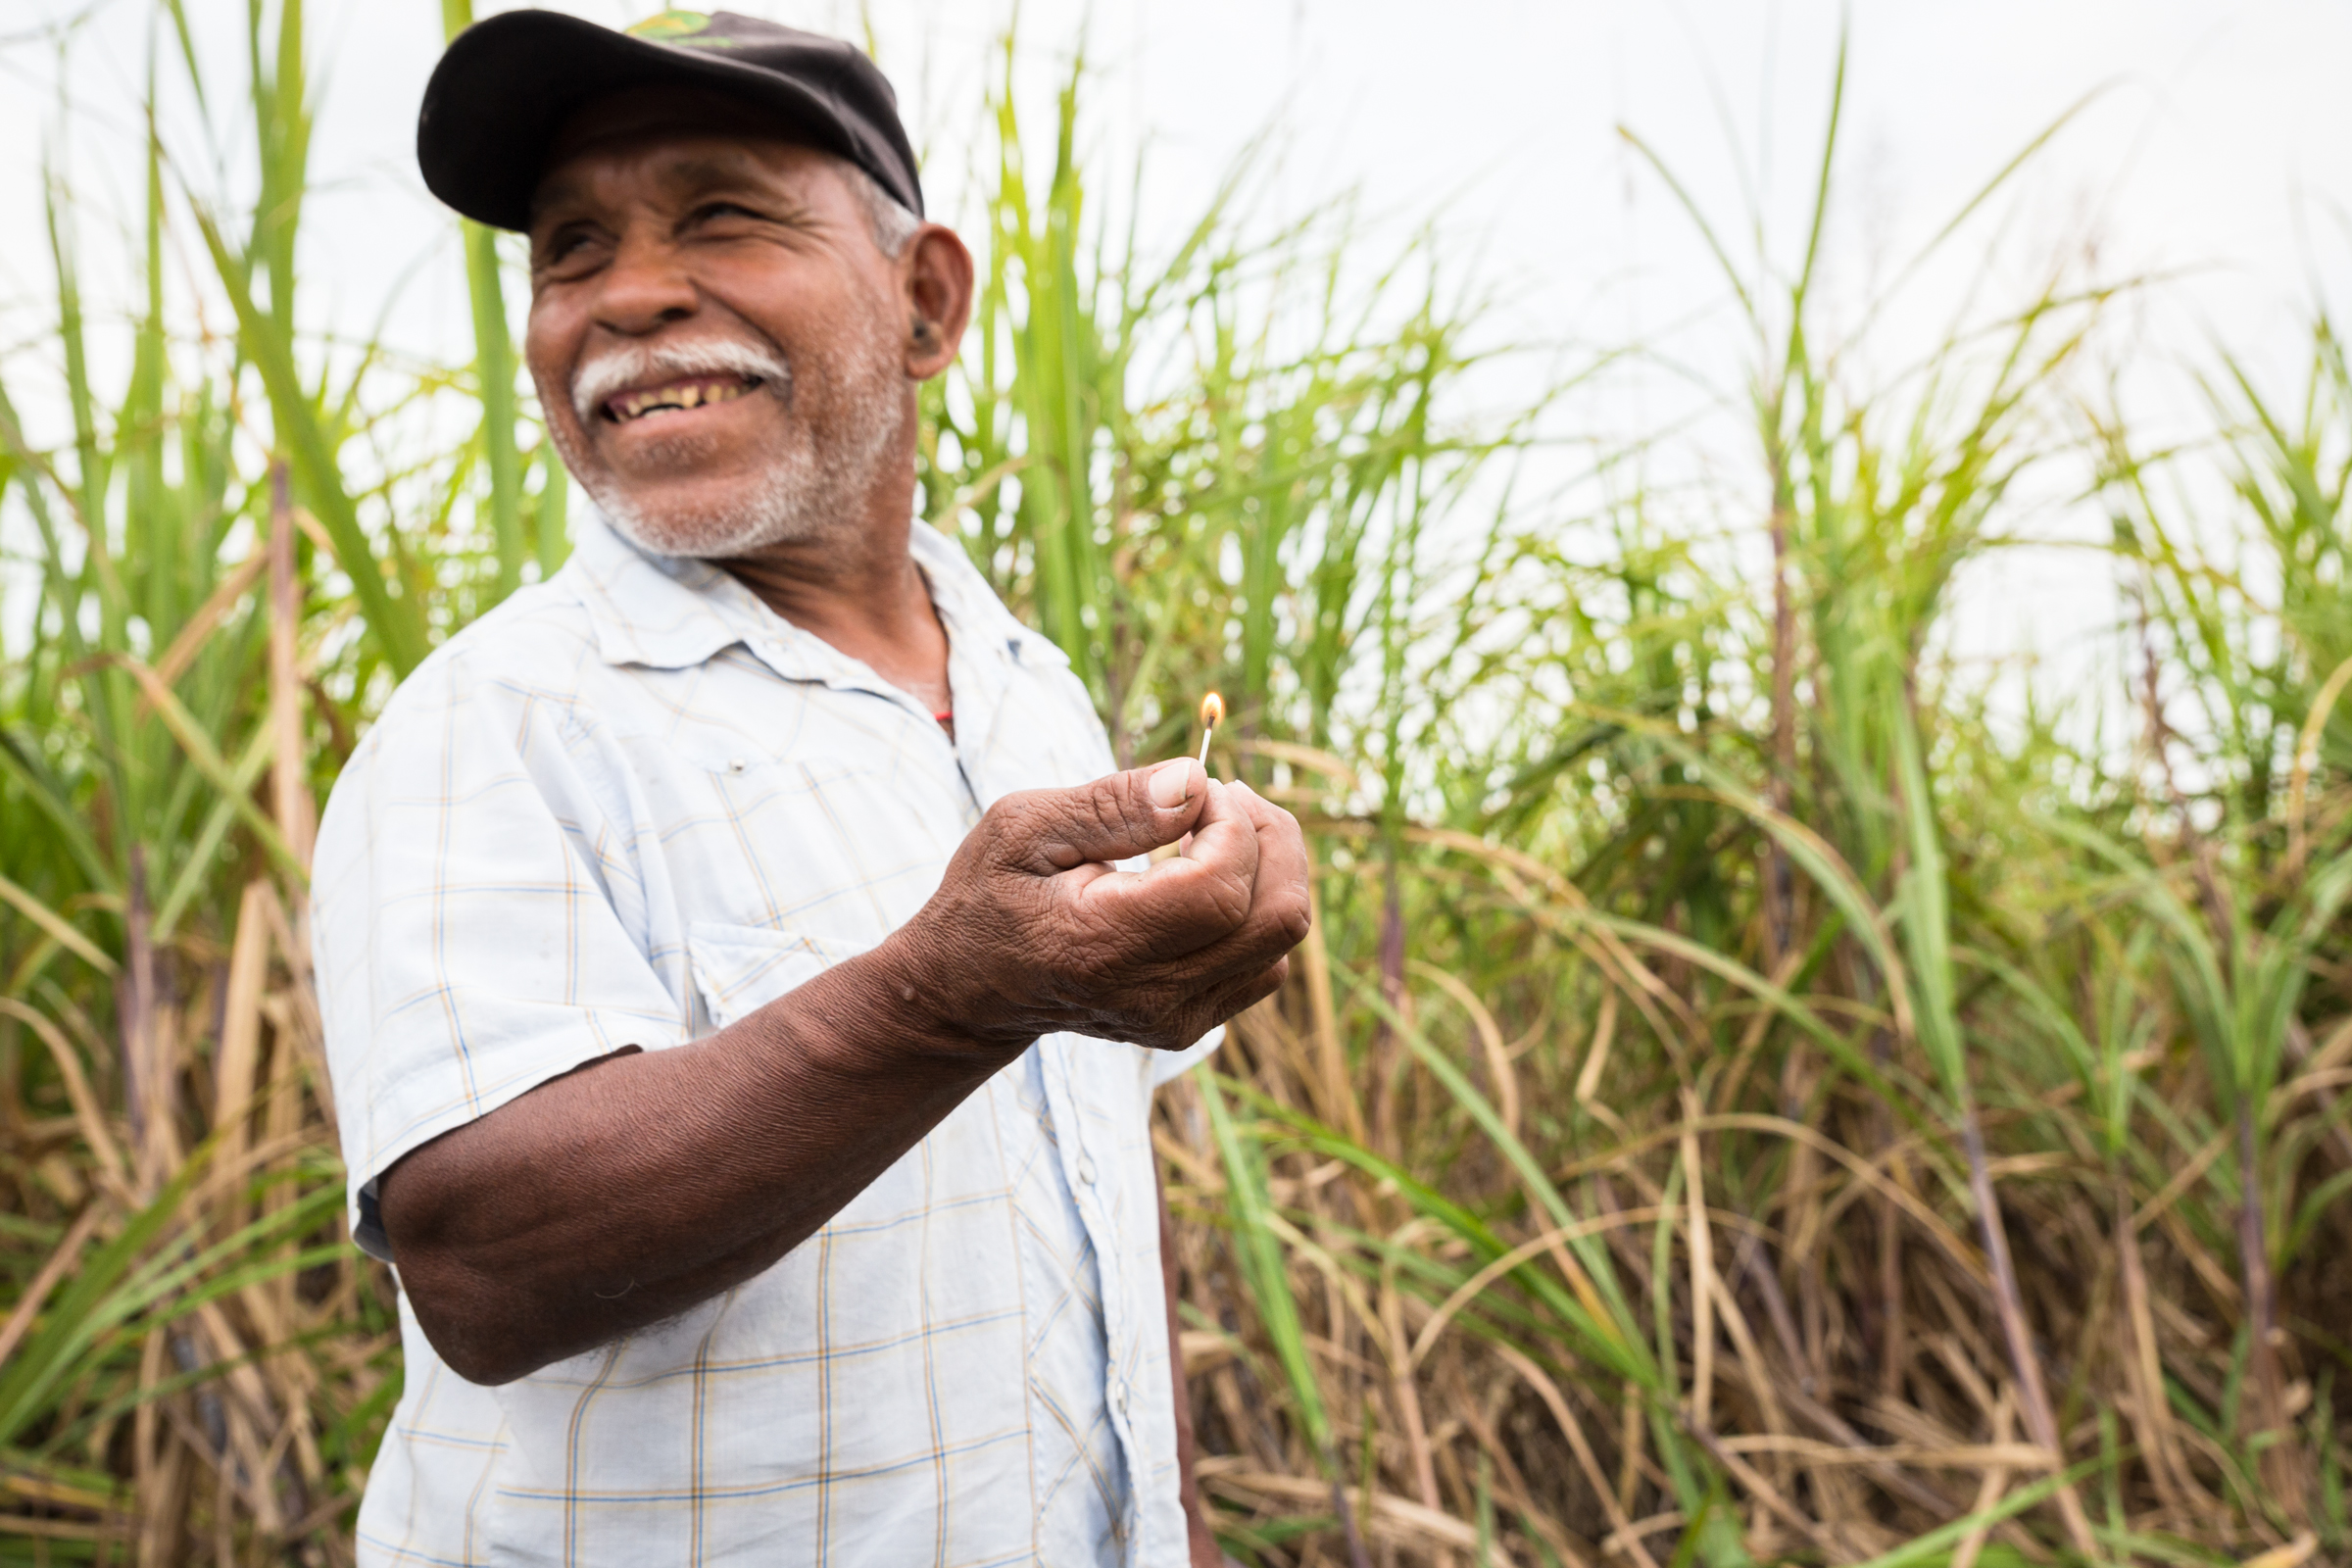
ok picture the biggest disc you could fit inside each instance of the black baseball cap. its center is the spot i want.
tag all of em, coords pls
(506, 84)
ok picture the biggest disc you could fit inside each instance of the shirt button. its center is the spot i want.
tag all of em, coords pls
(1086, 1169)
(734, 764)
(1118, 1396)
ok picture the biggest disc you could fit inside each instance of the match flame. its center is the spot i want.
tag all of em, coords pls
(1212, 711)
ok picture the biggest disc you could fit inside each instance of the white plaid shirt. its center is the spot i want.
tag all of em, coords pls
(628, 808)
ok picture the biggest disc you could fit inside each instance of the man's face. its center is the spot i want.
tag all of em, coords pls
(721, 345)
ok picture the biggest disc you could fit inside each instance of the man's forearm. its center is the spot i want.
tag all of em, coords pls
(612, 1198)
(618, 1195)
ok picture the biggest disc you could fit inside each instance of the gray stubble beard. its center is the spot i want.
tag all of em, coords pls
(812, 487)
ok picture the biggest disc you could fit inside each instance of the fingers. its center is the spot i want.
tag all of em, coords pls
(1248, 992)
(1219, 1005)
(1278, 913)
(1116, 816)
(1225, 837)
(1278, 895)
(1177, 906)
(1232, 906)
(1067, 942)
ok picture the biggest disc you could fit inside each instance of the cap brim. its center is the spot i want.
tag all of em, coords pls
(505, 85)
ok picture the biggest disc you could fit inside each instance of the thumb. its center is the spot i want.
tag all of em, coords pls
(1117, 815)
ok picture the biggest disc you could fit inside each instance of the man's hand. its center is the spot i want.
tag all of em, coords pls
(1033, 931)
(624, 1194)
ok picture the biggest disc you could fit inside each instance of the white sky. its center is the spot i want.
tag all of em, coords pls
(2221, 150)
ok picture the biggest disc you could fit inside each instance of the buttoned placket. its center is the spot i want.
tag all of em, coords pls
(979, 673)
(1056, 1057)
(980, 668)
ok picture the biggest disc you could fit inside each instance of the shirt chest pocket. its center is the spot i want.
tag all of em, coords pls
(738, 969)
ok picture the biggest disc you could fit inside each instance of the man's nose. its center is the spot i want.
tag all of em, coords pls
(646, 287)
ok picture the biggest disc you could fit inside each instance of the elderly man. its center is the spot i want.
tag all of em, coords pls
(742, 1035)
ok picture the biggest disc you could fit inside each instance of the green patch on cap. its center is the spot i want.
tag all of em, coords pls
(675, 26)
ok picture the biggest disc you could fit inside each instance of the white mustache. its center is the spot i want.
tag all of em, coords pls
(646, 363)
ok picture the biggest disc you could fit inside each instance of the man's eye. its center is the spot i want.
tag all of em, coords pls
(562, 245)
(710, 210)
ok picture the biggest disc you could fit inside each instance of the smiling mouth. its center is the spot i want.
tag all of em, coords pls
(670, 397)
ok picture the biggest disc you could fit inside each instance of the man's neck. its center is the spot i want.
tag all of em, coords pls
(863, 595)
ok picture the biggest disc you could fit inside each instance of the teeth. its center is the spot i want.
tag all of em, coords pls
(683, 395)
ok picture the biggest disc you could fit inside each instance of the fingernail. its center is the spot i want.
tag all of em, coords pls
(1171, 783)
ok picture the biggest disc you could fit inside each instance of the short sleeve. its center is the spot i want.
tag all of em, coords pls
(465, 928)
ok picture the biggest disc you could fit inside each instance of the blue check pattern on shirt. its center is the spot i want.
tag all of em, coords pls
(628, 808)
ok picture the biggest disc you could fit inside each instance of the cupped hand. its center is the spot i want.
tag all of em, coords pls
(1034, 930)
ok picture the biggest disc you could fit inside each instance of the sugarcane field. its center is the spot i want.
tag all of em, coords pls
(1317, 787)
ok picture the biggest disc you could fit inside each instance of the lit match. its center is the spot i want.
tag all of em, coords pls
(1213, 709)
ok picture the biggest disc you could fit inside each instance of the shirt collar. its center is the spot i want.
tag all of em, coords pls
(668, 613)
(976, 619)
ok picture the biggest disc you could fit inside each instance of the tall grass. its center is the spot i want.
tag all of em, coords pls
(1739, 1101)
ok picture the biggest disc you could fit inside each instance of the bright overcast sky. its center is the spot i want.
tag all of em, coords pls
(2221, 148)
(2224, 141)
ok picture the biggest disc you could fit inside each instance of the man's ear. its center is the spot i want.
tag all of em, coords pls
(938, 278)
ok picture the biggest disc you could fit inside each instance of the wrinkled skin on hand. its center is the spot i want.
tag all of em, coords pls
(1033, 930)
(616, 1196)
